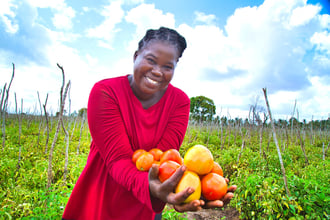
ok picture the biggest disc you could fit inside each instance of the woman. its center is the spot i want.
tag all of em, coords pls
(127, 113)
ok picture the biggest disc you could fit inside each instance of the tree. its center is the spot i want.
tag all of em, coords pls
(82, 112)
(202, 108)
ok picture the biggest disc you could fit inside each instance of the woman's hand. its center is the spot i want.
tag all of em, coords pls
(165, 192)
(225, 200)
(209, 204)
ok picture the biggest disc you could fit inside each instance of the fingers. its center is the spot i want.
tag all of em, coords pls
(153, 172)
(180, 197)
(214, 204)
(232, 188)
(226, 199)
(195, 205)
(176, 177)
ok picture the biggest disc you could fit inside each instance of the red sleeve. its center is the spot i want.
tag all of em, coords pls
(109, 135)
(177, 123)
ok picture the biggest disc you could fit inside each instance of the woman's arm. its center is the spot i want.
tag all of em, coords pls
(177, 124)
(109, 135)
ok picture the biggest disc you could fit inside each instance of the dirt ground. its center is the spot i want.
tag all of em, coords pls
(228, 213)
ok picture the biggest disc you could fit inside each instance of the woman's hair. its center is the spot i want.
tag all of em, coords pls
(164, 34)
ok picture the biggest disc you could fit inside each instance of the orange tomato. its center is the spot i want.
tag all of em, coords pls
(166, 169)
(190, 179)
(136, 154)
(157, 153)
(199, 159)
(214, 186)
(156, 162)
(145, 161)
(171, 154)
(217, 169)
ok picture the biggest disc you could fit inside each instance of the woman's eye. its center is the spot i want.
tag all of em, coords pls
(168, 67)
(151, 60)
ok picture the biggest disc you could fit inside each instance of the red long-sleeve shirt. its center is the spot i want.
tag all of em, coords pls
(110, 186)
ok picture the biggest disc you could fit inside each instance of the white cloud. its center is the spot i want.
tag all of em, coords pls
(133, 2)
(265, 46)
(146, 16)
(260, 47)
(7, 16)
(46, 4)
(322, 41)
(303, 15)
(207, 19)
(63, 18)
(113, 15)
(63, 14)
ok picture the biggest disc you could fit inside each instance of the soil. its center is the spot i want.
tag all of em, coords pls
(228, 213)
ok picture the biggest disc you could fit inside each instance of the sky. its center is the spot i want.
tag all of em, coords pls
(234, 49)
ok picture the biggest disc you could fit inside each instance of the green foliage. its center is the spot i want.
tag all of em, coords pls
(24, 193)
(260, 194)
(202, 108)
(171, 214)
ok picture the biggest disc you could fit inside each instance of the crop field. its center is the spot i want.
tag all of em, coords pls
(39, 165)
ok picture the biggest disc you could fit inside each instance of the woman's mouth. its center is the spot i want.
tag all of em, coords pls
(151, 81)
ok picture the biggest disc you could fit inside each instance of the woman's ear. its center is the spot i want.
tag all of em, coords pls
(135, 56)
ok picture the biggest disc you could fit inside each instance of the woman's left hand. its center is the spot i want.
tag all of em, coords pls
(165, 192)
(211, 204)
(225, 200)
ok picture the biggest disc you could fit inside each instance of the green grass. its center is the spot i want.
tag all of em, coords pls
(260, 194)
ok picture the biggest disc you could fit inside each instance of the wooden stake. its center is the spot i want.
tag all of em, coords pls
(276, 143)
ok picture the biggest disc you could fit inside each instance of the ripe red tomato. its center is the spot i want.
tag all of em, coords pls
(166, 169)
(171, 154)
(214, 186)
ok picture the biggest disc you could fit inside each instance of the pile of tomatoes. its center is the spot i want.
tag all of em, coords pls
(203, 173)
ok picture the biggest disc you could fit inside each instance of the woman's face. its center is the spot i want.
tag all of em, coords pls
(153, 69)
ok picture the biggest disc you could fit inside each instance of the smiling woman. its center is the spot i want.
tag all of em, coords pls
(127, 113)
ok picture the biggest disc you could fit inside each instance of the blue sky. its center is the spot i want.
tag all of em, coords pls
(235, 48)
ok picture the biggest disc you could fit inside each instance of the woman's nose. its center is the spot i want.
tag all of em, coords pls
(157, 71)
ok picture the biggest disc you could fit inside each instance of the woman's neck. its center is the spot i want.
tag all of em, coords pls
(147, 100)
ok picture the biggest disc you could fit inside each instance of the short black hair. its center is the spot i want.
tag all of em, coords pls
(164, 34)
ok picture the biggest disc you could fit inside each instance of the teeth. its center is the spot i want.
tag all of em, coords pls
(152, 81)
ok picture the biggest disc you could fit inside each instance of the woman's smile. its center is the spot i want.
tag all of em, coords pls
(151, 81)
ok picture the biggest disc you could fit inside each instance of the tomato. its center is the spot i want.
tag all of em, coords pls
(214, 186)
(190, 179)
(157, 153)
(145, 161)
(217, 169)
(199, 159)
(171, 154)
(136, 154)
(156, 162)
(166, 169)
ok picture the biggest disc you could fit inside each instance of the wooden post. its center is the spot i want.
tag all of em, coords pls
(276, 143)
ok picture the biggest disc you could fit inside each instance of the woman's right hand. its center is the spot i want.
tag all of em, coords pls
(165, 191)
